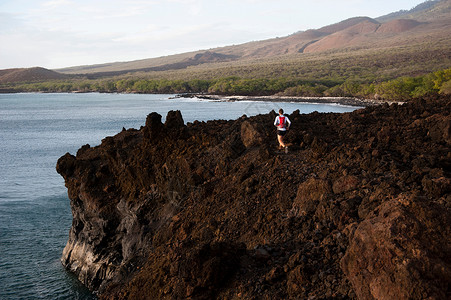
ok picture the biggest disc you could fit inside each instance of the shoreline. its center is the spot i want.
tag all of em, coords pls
(349, 101)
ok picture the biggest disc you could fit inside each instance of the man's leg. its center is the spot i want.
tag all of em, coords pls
(280, 139)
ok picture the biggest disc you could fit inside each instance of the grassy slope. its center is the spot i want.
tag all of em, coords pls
(361, 64)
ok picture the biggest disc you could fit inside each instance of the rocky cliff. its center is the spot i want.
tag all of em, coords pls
(359, 208)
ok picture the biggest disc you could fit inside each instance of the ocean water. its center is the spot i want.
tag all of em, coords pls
(37, 129)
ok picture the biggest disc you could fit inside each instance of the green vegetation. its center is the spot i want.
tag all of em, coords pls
(393, 73)
(412, 87)
(403, 88)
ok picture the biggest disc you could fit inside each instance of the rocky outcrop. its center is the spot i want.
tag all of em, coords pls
(401, 251)
(359, 207)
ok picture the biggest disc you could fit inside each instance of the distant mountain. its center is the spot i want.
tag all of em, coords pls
(368, 32)
(344, 37)
(29, 75)
(423, 33)
(294, 43)
(426, 25)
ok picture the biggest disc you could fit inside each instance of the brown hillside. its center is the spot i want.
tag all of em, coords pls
(288, 45)
(197, 59)
(391, 34)
(299, 41)
(345, 24)
(29, 74)
(398, 26)
(345, 37)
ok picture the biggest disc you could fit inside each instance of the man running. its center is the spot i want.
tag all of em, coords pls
(283, 124)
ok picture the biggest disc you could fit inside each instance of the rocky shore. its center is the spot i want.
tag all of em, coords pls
(351, 101)
(360, 207)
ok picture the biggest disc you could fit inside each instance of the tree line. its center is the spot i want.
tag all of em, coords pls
(403, 88)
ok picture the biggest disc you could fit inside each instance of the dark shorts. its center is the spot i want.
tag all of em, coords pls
(281, 132)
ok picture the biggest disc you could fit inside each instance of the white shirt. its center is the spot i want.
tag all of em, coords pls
(282, 127)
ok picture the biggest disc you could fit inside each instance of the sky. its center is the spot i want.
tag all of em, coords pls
(62, 33)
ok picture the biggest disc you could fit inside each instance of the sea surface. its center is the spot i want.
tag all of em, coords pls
(35, 130)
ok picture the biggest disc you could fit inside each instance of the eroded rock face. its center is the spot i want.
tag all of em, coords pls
(251, 134)
(359, 208)
(401, 251)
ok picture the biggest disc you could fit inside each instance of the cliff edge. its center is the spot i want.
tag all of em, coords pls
(359, 208)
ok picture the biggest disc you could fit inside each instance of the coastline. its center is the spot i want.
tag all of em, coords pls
(349, 101)
(346, 101)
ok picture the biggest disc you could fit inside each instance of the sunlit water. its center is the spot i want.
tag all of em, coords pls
(37, 129)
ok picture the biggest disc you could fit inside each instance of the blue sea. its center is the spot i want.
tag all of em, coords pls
(35, 130)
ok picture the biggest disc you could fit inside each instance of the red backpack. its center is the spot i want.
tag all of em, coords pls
(281, 122)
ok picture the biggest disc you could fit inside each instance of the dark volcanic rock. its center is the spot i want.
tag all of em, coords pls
(310, 194)
(401, 251)
(359, 208)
